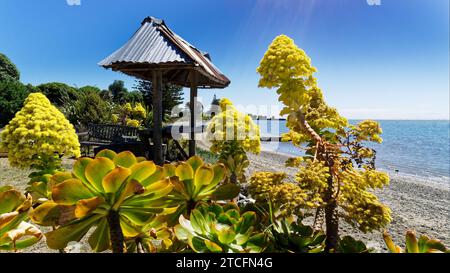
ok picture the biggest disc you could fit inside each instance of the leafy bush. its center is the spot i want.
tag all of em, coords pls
(12, 96)
(134, 97)
(8, 71)
(39, 135)
(59, 94)
(91, 108)
(89, 89)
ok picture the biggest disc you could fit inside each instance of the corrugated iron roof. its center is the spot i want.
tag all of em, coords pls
(154, 46)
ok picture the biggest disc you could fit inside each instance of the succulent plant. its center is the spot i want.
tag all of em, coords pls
(213, 228)
(288, 235)
(413, 245)
(39, 134)
(15, 232)
(117, 193)
(195, 181)
(348, 244)
(38, 184)
(155, 237)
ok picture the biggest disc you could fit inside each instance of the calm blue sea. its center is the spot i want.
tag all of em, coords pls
(416, 147)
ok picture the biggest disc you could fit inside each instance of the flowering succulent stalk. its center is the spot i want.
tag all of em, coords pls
(232, 134)
(39, 135)
(338, 169)
(37, 138)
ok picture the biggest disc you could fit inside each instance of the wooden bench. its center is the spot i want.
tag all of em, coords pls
(106, 134)
(139, 141)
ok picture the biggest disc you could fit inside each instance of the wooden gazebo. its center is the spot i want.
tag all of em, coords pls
(155, 53)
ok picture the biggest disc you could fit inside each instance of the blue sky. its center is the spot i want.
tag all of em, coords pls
(389, 61)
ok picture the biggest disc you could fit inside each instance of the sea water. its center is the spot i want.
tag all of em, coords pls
(410, 147)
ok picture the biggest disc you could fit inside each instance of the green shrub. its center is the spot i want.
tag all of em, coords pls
(8, 71)
(59, 94)
(90, 108)
(12, 96)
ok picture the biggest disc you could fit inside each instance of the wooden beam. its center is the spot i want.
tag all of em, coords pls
(192, 104)
(157, 117)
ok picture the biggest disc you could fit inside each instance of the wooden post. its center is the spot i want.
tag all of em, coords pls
(157, 117)
(192, 104)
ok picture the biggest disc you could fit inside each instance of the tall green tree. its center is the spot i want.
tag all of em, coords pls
(118, 91)
(171, 97)
(8, 70)
(12, 96)
(12, 92)
(134, 97)
(89, 88)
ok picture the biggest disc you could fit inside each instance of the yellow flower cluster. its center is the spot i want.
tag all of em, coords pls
(129, 115)
(368, 130)
(115, 118)
(286, 197)
(362, 208)
(132, 122)
(296, 138)
(312, 177)
(283, 61)
(127, 108)
(139, 110)
(232, 125)
(38, 130)
(289, 68)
